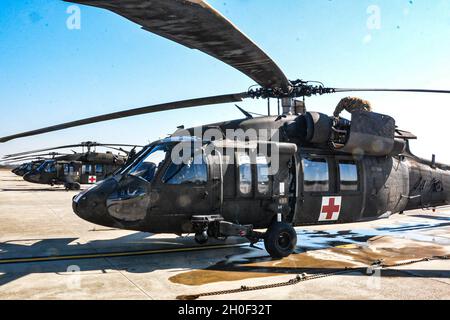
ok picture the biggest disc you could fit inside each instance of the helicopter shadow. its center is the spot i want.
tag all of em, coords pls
(36, 248)
(32, 190)
(239, 259)
(439, 218)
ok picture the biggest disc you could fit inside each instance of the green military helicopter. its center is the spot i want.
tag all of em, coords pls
(300, 168)
(71, 170)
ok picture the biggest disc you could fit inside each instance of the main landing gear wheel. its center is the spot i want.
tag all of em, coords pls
(201, 238)
(73, 186)
(280, 240)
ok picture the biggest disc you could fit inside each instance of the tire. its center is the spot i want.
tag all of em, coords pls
(201, 238)
(73, 186)
(280, 240)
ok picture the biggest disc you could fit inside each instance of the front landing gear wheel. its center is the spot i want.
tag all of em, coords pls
(201, 238)
(280, 240)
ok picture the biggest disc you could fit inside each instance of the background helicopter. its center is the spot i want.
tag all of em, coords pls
(71, 170)
(24, 168)
(32, 162)
(331, 170)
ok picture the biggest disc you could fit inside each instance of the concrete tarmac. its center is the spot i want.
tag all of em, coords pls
(37, 222)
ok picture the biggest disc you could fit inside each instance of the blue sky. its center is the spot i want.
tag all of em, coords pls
(50, 74)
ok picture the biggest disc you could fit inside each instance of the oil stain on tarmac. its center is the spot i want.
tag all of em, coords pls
(327, 252)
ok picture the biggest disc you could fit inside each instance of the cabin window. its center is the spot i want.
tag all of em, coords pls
(262, 168)
(194, 171)
(86, 169)
(316, 175)
(99, 169)
(348, 172)
(245, 175)
(69, 169)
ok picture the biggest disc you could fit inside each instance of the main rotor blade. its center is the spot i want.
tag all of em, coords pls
(197, 25)
(24, 160)
(134, 112)
(8, 156)
(116, 145)
(83, 144)
(29, 159)
(390, 90)
(121, 149)
(32, 156)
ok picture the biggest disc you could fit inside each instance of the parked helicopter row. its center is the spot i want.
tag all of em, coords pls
(71, 170)
(330, 170)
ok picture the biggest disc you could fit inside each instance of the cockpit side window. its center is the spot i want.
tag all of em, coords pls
(316, 175)
(195, 171)
(50, 167)
(149, 166)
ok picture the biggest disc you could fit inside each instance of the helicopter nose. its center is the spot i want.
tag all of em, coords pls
(90, 205)
(31, 177)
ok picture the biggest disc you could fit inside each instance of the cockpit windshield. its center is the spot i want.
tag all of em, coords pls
(150, 162)
(47, 166)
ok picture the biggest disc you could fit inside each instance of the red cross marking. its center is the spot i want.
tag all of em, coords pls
(92, 179)
(331, 209)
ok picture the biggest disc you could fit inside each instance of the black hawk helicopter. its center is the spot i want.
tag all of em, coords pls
(71, 170)
(24, 164)
(24, 168)
(330, 170)
(28, 163)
